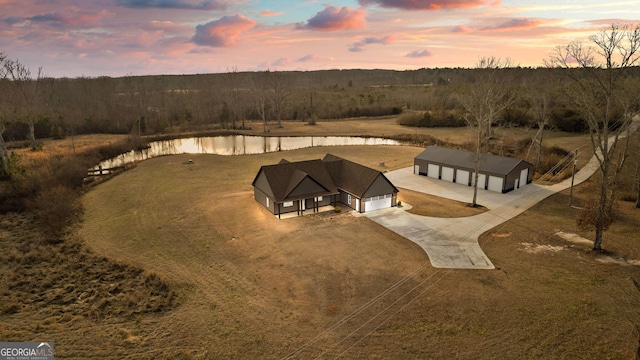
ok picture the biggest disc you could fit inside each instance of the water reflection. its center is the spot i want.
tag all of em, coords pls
(235, 145)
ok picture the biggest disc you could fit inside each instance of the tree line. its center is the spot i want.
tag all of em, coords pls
(41, 106)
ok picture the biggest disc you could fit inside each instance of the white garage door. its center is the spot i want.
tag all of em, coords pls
(482, 181)
(433, 171)
(495, 183)
(377, 202)
(447, 173)
(462, 177)
(523, 177)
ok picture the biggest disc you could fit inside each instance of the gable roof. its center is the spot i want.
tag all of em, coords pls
(283, 178)
(489, 163)
(286, 179)
(351, 177)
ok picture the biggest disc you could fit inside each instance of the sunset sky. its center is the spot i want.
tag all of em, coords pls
(138, 37)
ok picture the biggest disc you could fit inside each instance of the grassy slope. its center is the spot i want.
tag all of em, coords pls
(252, 286)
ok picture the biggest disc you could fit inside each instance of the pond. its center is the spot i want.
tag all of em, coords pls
(233, 145)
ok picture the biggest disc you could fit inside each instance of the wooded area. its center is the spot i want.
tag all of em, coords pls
(168, 103)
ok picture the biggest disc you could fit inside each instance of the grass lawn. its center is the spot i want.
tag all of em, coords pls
(248, 285)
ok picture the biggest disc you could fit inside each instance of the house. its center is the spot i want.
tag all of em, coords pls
(301, 186)
(496, 173)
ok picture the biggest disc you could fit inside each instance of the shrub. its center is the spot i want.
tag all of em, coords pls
(337, 209)
(567, 120)
(313, 119)
(428, 120)
(54, 208)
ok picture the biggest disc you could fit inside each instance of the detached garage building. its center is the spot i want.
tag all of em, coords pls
(302, 186)
(496, 173)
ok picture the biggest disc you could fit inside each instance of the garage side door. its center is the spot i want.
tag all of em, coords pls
(377, 202)
(495, 183)
(462, 177)
(447, 173)
(433, 171)
(523, 176)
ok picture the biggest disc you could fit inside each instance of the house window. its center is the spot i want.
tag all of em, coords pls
(319, 198)
(267, 202)
(287, 204)
(349, 199)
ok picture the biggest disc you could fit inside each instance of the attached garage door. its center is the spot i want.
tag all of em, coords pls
(523, 177)
(433, 171)
(495, 183)
(377, 202)
(462, 177)
(447, 173)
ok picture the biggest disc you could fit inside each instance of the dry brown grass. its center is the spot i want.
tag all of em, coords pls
(251, 286)
(429, 205)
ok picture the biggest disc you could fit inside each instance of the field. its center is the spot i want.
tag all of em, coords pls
(246, 285)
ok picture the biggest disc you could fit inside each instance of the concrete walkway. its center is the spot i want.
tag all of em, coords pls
(453, 242)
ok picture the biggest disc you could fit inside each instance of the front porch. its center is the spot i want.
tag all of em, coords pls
(321, 209)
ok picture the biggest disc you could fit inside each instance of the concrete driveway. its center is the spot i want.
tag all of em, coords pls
(453, 242)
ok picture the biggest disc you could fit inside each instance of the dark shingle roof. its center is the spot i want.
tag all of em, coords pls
(330, 173)
(285, 176)
(350, 176)
(461, 159)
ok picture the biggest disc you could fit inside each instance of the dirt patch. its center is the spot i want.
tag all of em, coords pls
(501, 235)
(537, 248)
(575, 239)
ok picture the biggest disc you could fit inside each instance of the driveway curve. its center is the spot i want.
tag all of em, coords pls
(453, 242)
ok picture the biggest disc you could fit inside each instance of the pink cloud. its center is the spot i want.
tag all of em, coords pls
(419, 54)
(222, 32)
(269, 13)
(336, 18)
(426, 4)
(359, 45)
(514, 24)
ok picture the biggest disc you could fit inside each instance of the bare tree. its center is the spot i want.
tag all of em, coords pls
(232, 92)
(261, 95)
(599, 89)
(540, 100)
(483, 102)
(636, 179)
(4, 156)
(279, 93)
(26, 92)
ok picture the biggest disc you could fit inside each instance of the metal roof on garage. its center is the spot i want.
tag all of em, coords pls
(461, 159)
